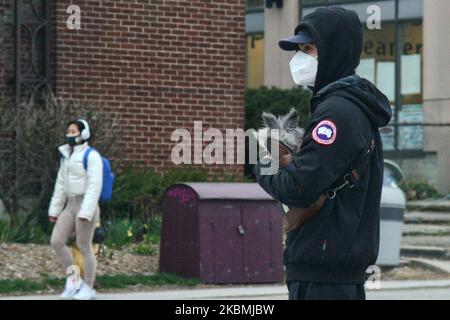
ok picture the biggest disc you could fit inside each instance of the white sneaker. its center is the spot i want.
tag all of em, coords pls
(70, 290)
(85, 293)
(68, 294)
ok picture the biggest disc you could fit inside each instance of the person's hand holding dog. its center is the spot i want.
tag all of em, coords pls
(284, 154)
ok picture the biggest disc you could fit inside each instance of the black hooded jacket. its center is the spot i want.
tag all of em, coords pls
(342, 239)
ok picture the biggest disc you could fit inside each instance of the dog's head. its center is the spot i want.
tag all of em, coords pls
(291, 135)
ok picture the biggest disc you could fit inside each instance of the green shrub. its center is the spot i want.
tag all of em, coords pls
(7, 231)
(138, 193)
(120, 232)
(148, 246)
(11, 231)
(145, 249)
(276, 101)
(419, 190)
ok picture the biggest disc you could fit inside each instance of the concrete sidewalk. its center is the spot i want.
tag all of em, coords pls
(390, 289)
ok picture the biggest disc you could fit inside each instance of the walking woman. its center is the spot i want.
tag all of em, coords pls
(74, 206)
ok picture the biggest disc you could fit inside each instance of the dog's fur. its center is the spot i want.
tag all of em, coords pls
(291, 135)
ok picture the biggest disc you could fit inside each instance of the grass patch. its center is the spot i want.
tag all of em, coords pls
(55, 283)
(104, 282)
(159, 279)
(20, 286)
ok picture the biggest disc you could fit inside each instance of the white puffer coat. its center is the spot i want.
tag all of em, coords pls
(73, 180)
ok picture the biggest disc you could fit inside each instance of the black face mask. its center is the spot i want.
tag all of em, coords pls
(73, 141)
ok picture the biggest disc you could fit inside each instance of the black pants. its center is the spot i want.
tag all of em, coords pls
(301, 290)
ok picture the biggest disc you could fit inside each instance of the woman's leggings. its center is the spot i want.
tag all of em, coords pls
(65, 226)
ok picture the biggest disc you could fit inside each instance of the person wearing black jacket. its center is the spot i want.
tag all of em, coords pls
(327, 257)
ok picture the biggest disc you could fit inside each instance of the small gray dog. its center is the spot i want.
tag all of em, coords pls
(290, 134)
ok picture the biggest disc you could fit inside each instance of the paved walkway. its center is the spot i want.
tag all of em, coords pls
(432, 289)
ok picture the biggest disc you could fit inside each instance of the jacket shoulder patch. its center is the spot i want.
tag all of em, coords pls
(325, 132)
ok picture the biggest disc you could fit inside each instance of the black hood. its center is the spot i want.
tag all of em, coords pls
(362, 93)
(338, 35)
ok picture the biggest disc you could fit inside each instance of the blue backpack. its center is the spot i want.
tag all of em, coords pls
(108, 176)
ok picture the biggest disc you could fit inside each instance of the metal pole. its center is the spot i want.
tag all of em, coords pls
(398, 53)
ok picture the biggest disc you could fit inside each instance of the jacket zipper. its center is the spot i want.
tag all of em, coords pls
(324, 245)
(325, 240)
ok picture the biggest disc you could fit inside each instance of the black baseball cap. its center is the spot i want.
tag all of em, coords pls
(291, 43)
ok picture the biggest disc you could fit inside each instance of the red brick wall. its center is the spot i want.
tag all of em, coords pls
(159, 65)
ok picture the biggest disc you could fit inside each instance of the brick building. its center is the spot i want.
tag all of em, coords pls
(159, 65)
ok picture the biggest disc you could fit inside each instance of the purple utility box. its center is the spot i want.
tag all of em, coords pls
(221, 233)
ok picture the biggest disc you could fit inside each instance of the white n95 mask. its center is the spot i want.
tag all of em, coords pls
(304, 69)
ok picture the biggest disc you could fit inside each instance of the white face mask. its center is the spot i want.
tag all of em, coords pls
(304, 69)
